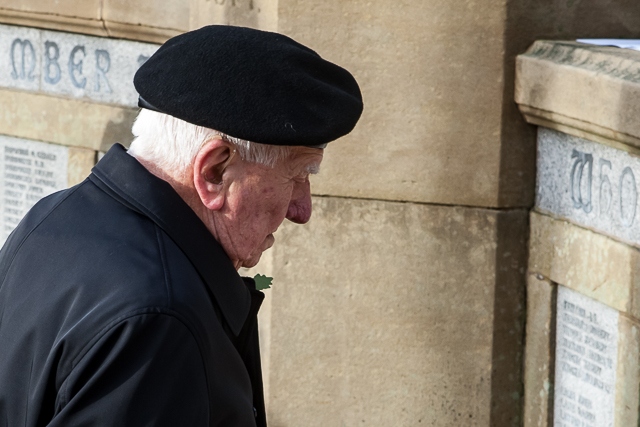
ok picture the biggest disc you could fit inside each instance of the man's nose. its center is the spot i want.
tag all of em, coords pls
(300, 206)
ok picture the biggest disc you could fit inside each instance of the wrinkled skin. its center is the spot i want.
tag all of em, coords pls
(244, 203)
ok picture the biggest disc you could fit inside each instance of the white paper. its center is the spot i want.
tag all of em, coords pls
(623, 43)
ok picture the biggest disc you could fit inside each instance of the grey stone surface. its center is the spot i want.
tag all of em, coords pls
(591, 184)
(66, 64)
(586, 361)
(29, 171)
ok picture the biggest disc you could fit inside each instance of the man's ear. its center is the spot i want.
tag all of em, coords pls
(208, 171)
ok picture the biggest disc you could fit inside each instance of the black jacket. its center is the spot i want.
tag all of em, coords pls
(119, 308)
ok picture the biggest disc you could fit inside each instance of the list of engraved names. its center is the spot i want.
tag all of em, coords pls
(30, 170)
(586, 360)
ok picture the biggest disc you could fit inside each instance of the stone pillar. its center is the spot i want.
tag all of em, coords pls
(402, 303)
(583, 330)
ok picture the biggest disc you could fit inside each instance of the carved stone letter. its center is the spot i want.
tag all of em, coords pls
(51, 56)
(103, 63)
(581, 201)
(77, 67)
(27, 58)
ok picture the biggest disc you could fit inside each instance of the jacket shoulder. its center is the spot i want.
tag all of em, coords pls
(81, 259)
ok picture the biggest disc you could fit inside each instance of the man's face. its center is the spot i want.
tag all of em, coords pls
(258, 200)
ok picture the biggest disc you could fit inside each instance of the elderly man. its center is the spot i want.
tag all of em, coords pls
(120, 301)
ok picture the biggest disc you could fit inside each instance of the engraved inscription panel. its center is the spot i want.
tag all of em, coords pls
(586, 361)
(590, 184)
(93, 68)
(29, 171)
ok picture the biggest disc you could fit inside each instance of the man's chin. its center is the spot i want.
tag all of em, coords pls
(254, 258)
(251, 262)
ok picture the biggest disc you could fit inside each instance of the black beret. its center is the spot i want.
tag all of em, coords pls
(250, 84)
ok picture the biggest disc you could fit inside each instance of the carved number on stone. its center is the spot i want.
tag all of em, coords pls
(628, 193)
(581, 201)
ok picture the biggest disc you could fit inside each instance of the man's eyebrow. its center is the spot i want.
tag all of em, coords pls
(313, 168)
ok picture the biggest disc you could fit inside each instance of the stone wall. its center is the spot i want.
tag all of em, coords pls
(440, 177)
(402, 302)
(583, 329)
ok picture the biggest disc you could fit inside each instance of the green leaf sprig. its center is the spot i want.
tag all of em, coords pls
(262, 282)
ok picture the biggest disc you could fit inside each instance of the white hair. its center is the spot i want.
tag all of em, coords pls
(172, 144)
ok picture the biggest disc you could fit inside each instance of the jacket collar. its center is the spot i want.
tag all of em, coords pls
(153, 197)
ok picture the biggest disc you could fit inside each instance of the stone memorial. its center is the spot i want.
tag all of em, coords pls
(64, 64)
(404, 214)
(588, 183)
(586, 361)
(582, 357)
(29, 171)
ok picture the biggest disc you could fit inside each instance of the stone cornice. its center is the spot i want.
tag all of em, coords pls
(82, 25)
(584, 90)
